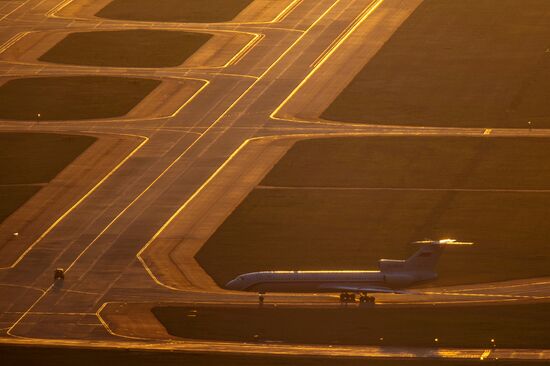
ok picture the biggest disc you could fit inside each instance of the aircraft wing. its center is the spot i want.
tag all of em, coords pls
(358, 289)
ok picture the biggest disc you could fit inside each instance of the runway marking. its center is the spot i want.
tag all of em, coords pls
(511, 296)
(108, 328)
(405, 189)
(24, 314)
(51, 313)
(80, 292)
(279, 17)
(236, 75)
(178, 211)
(286, 11)
(485, 354)
(14, 10)
(372, 7)
(239, 55)
(75, 205)
(228, 109)
(342, 36)
(496, 287)
(255, 38)
(10, 42)
(22, 286)
(186, 203)
(164, 172)
(57, 8)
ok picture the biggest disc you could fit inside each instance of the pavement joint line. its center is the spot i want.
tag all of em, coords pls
(79, 292)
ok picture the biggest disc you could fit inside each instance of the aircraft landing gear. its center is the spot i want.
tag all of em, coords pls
(260, 299)
(366, 300)
(345, 297)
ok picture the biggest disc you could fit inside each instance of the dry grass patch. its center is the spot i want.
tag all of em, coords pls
(511, 326)
(72, 97)
(29, 159)
(129, 48)
(469, 63)
(345, 203)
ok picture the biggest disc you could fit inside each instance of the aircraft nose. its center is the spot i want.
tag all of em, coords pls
(232, 285)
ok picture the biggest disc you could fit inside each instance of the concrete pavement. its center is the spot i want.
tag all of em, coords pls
(165, 185)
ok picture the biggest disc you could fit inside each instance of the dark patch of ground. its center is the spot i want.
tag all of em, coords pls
(346, 203)
(72, 97)
(37, 157)
(13, 197)
(192, 11)
(511, 326)
(45, 356)
(458, 63)
(30, 158)
(129, 48)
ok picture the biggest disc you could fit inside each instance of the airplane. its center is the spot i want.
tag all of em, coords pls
(393, 276)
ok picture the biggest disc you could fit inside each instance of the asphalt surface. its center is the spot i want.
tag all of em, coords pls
(184, 170)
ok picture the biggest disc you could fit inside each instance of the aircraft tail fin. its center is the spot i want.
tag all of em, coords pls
(426, 258)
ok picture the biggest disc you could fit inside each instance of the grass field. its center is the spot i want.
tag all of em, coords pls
(72, 97)
(194, 11)
(29, 159)
(43, 356)
(129, 48)
(511, 326)
(457, 63)
(345, 203)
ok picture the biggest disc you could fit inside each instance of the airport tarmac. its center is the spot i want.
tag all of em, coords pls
(180, 174)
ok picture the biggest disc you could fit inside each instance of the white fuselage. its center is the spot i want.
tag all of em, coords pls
(393, 275)
(315, 281)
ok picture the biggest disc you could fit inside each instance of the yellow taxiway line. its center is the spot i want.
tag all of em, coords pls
(145, 139)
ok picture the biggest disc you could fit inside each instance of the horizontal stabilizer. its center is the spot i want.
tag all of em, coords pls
(443, 242)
